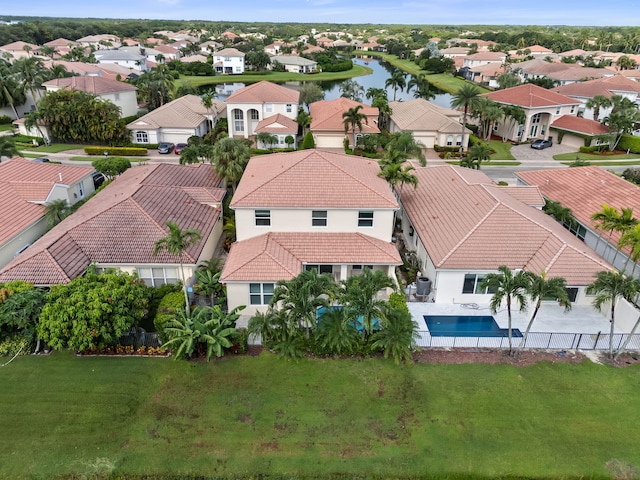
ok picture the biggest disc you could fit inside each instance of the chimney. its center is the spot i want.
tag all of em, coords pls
(60, 176)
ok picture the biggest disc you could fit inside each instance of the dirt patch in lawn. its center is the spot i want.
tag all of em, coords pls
(494, 357)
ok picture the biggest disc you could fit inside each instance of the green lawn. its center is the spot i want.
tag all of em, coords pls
(56, 148)
(595, 158)
(502, 149)
(6, 127)
(356, 71)
(243, 417)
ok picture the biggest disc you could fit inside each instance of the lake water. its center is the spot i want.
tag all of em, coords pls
(381, 72)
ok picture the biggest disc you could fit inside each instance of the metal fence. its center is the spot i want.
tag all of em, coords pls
(140, 339)
(553, 341)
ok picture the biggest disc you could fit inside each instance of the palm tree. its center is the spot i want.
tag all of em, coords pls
(407, 146)
(267, 139)
(542, 288)
(609, 287)
(605, 221)
(480, 153)
(207, 102)
(301, 297)
(230, 157)
(56, 211)
(624, 223)
(421, 87)
(7, 147)
(398, 335)
(352, 89)
(176, 243)
(487, 112)
(469, 162)
(30, 72)
(397, 82)
(336, 333)
(208, 283)
(11, 90)
(310, 92)
(507, 287)
(359, 298)
(352, 118)
(596, 103)
(562, 215)
(396, 173)
(466, 97)
(631, 238)
(512, 116)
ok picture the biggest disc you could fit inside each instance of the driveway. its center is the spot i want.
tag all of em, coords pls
(524, 153)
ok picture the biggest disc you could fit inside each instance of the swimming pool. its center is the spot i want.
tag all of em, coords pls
(466, 326)
(375, 324)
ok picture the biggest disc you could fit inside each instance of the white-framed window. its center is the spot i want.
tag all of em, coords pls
(238, 69)
(81, 188)
(361, 267)
(268, 107)
(289, 108)
(365, 218)
(238, 120)
(116, 96)
(157, 276)
(142, 137)
(558, 111)
(449, 140)
(319, 268)
(263, 218)
(458, 140)
(318, 218)
(255, 115)
(573, 108)
(227, 59)
(472, 283)
(260, 293)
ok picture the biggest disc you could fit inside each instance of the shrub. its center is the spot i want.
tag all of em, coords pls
(397, 301)
(10, 346)
(308, 141)
(589, 149)
(473, 140)
(632, 175)
(5, 120)
(240, 341)
(167, 308)
(119, 151)
(630, 143)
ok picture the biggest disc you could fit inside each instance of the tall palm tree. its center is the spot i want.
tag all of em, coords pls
(230, 157)
(359, 298)
(11, 90)
(596, 103)
(624, 223)
(466, 98)
(30, 71)
(407, 146)
(605, 220)
(609, 287)
(631, 238)
(353, 118)
(487, 112)
(421, 87)
(7, 147)
(396, 173)
(513, 115)
(507, 287)
(479, 153)
(397, 82)
(176, 243)
(542, 288)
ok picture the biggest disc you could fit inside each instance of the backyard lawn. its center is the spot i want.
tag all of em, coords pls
(242, 417)
(502, 149)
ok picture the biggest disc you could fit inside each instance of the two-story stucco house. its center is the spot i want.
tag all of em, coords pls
(228, 61)
(303, 210)
(247, 106)
(122, 58)
(541, 106)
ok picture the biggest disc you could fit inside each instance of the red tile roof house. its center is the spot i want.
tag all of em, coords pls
(541, 106)
(584, 190)
(578, 132)
(248, 106)
(121, 94)
(307, 209)
(463, 226)
(119, 226)
(280, 127)
(25, 189)
(327, 123)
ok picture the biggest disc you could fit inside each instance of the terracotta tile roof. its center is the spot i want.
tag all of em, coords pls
(584, 190)
(280, 256)
(25, 186)
(228, 52)
(419, 115)
(277, 124)
(313, 179)
(121, 224)
(264, 92)
(60, 42)
(530, 96)
(466, 222)
(79, 68)
(194, 58)
(326, 115)
(183, 112)
(487, 56)
(528, 195)
(608, 87)
(18, 47)
(94, 85)
(580, 125)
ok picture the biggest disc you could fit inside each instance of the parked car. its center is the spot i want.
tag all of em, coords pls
(636, 133)
(166, 147)
(41, 160)
(98, 179)
(179, 147)
(541, 144)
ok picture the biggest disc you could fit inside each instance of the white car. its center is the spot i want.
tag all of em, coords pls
(636, 133)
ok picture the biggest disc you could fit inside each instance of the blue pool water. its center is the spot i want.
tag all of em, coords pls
(466, 326)
(374, 323)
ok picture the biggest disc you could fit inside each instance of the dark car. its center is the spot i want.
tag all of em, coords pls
(541, 144)
(165, 147)
(98, 179)
(179, 147)
(41, 160)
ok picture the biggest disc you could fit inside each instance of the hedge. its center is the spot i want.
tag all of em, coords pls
(5, 120)
(589, 149)
(629, 142)
(119, 151)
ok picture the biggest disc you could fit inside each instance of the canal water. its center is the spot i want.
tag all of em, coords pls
(381, 72)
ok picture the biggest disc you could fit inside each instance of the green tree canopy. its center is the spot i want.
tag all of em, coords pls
(111, 167)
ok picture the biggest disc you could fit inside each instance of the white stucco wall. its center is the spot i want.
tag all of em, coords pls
(299, 220)
(126, 101)
(33, 232)
(264, 109)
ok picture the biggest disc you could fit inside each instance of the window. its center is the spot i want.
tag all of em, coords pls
(157, 276)
(260, 293)
(361, 267)
(458, 140)
(319, 268)
(255, 115)
(573, 108)
(116, 97)
(238, 120)
(578, 230)
(449, 140)
(238, 69)
(142, 137)
(573, 293)
(268, 107)
(318, 218)
(263, 218)
(289, 108)
(365, 219)
(227, 59)
(81, 189)
(472, 283)
(558, 111)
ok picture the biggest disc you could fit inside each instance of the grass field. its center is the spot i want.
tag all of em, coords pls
(56, 148)
(604, 159)
(6, 127)
(241, 417)
(502, 149)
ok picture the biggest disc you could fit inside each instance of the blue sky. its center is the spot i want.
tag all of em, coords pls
(491, 12)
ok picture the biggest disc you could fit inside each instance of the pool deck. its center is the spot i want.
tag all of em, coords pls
(550, 318)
